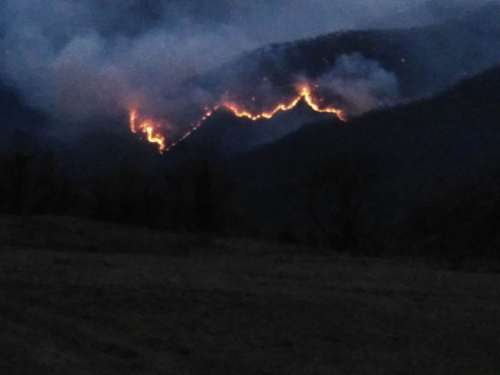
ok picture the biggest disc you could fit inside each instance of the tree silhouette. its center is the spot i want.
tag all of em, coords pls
(204, 201)
(335, 196)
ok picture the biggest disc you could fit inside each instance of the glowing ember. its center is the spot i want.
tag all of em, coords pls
(153, 129)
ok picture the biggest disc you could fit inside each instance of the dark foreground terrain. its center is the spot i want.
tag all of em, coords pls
(80, 297)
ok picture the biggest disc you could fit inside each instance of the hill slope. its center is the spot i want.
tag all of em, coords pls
(423, 151)
(16, 116)
(425, 61)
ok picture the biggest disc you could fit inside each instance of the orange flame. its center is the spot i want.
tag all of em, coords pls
(304, 92)
(151, 128)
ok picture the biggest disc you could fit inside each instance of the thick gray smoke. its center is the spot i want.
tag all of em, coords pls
(80, 59)
(64, 64)
(360, 84)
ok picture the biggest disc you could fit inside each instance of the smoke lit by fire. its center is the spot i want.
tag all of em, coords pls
(154, 130)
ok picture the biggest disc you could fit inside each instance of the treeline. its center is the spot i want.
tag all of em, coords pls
(461, 225)
(36, 181)
(352, 207)
(335, 203)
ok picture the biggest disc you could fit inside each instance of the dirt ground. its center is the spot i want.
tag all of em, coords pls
(246, 309)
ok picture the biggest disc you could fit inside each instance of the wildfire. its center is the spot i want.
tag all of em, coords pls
(304, 92)
(152, 128)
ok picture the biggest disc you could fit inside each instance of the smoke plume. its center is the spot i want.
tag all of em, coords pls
(76, 60)
(360, 84)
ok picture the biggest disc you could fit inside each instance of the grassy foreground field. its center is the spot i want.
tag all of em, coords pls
(80, 297)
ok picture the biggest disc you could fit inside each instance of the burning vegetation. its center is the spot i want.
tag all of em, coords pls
(149, 127)
(154, 130)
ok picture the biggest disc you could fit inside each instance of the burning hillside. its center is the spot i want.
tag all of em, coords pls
(153, 129)
(353, 86)
(170, 69)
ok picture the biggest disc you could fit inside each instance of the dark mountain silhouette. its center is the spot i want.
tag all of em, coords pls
(16, 117)
(426, 61)
(469, 112)
(424, 151)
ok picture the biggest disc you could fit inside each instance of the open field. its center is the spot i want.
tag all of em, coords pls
(79, 297)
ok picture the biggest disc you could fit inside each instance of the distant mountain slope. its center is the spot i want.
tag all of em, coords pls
(424, 59)
(424, 150)
(465, 119)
